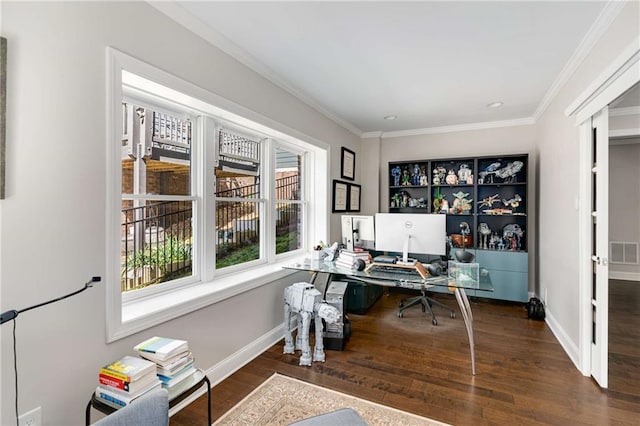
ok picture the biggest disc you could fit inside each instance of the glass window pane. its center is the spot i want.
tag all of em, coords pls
(288, 169)
(237, 232)
(156, 242)
(288, 227)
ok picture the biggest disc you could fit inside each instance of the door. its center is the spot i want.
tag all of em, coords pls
(600, 243)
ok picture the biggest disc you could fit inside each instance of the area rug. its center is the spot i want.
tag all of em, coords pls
(281, 400)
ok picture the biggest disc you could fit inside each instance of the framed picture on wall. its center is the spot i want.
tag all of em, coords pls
(348, 164)
(340, 196)
(354, 197)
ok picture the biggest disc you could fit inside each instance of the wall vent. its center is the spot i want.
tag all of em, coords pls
(623, 252)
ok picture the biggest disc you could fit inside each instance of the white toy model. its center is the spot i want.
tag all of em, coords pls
(304, 300)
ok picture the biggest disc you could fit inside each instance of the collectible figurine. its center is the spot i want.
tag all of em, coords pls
(415, 178)
(305, 301)
(461, 205)
(513, 202)
(485, 232)
(396, 172)
(452, 179)
(513, 234)
(508, 173)
(439, 174)
(488, 172)
(424, 181)
(406, 179)
(463, 173)
(488, 201)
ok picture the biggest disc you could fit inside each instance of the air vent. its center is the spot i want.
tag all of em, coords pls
(622, 252)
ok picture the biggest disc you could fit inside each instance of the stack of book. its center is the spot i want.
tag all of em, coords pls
(172, 357)
(123, 381)
(349, 259)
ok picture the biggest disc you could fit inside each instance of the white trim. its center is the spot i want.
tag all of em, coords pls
(453, 128)
(623, 133)
(193, 24)
(624, 111)
(565, 341)
(620, 65)
(585, 267)
(625, 276)
(608, 14)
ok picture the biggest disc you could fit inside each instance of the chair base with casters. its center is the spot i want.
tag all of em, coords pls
(427, 304)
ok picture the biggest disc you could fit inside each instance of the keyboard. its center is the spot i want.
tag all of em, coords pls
(407, 272)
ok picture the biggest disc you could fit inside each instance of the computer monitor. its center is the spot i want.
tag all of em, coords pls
(358, 232)
(411, 233)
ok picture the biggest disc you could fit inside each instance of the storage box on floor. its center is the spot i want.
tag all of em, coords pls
(361, 296)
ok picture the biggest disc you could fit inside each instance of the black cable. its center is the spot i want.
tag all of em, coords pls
(15, 369)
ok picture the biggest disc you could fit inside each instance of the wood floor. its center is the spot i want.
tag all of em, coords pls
(523, 375)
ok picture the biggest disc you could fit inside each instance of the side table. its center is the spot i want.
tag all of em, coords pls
(177, 394)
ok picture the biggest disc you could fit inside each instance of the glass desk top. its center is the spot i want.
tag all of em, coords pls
(395, 278)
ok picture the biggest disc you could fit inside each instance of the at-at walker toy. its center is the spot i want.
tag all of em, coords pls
(305, 301)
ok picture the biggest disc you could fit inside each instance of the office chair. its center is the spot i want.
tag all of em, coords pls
(425, 301)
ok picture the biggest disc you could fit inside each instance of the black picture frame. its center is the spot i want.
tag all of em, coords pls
(355, 195)
(340, 196)
(347, 164)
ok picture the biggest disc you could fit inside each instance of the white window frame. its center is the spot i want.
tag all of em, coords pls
(129, 315)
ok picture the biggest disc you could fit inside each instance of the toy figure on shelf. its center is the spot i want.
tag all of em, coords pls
(512, 233)
(406, 178)
(444, 207)
(486, 175)
(513, 202)
(464, 173)
(305, 301)
(415, 178)
(461, 205)
(395, 200)
(452, 179)
(396, 172)
(488, 201)
(438, 197)
(495, 241)
(439, 174)
(508, 173)
(485, 232)
(424, 181)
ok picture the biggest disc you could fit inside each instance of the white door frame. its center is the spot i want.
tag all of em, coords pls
(618, 77)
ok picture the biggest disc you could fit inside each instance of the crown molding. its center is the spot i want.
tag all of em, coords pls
(178, 14)
(454, 128)
(597, 30)
(620, 112)
(370, 135)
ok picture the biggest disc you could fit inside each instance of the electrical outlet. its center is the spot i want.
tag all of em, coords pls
(32, 418)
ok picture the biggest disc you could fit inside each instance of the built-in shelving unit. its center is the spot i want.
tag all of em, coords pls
(485, 200)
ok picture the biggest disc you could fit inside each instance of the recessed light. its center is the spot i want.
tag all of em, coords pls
(391, 117)
(496, 104)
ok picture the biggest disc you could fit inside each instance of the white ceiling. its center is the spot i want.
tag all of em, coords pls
(433, 64)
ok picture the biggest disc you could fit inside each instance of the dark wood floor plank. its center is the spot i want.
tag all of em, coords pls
(523, 375)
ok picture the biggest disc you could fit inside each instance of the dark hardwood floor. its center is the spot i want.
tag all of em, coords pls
(624, 337)
(523, 375)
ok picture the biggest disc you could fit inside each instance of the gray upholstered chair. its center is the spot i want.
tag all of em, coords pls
(151, 409)
(342, 417)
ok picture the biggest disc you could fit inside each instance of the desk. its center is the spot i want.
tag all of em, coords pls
(394, 279)
(177, 394)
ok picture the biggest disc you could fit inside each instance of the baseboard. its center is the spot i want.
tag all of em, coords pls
(626, 276)
(234, 362)
(569, 347)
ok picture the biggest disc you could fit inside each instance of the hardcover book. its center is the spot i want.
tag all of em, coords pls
(161, 348)
(129, 368)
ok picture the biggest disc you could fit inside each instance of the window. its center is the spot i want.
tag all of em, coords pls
(201, 199)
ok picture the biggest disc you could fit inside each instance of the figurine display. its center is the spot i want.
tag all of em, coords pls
(464, 173)
(488, 201)
(396, 172)
(406, 178)
(439, 173)
(461, 205)
(512, 234)
(438, 197)
(484, 231)
(424, 181)
(305, 301)
(486, 176)
(444, 206)
(514, 202)
(415, 177)
(451, 179)
(508, 173)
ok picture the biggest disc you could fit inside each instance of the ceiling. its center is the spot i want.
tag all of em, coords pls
(431, 64)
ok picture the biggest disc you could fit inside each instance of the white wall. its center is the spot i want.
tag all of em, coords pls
(558, 139)
(53, 218)
(624, 202)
